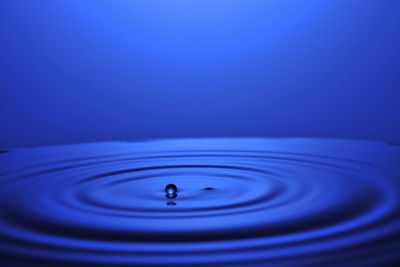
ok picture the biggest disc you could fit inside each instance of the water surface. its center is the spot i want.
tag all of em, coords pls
(239, 202)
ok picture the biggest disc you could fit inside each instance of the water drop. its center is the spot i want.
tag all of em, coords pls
(208, 188)
(171, 190)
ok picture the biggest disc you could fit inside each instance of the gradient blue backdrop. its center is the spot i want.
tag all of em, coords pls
(83, 71)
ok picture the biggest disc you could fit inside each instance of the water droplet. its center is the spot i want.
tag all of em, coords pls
(171, 190)
(171, 203)
(208, 188)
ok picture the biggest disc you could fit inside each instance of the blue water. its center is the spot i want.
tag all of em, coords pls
(239, 202)
(91, 71)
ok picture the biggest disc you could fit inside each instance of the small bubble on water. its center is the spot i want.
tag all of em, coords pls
(171, 190)
(171, 203)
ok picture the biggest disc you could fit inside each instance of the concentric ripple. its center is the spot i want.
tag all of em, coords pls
(240, 202)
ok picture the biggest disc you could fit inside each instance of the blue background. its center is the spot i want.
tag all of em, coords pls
(84, 71)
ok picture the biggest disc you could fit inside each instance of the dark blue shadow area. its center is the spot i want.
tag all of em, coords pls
(84, 71)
